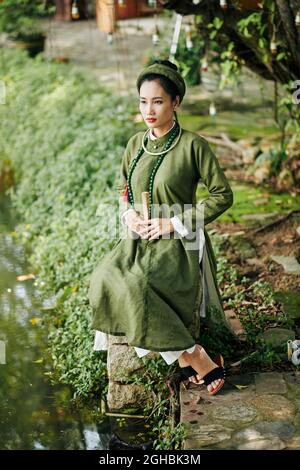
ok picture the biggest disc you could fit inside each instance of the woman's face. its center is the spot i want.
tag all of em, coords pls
(156, 105)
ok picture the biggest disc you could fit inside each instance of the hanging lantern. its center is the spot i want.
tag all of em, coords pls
(189, 42)
(297, 18)
(75, 11)
(212, 109)
(204, 64)
(188, 39)
(273, 45)
(155, 36)
(223, 4)
(110, 38)
(175, 38)
(152, 3)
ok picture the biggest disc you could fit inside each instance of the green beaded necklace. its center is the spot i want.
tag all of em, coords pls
(134, 162)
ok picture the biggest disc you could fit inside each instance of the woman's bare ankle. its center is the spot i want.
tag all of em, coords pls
(201, 361)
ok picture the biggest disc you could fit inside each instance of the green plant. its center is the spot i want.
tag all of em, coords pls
(64, 135)
(187, 60)
(215, 335)
(20, 18)
(170, 437)
(163, 411)
(275, 157)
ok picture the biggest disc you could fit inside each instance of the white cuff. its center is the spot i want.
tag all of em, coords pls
(178, 226)
(100, 341)
(124, 213)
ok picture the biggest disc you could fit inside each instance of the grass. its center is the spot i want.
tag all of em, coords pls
(253, 200)
(231, 124)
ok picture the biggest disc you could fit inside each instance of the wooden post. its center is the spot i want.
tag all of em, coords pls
(105, 15)
(145, 203)
(63, 10)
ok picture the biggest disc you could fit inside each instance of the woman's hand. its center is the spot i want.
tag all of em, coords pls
(133, 220)
(154, 228)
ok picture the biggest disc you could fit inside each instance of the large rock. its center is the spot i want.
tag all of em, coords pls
(289, 263)
(126, 396)
(234, 411)
(266, 429)
(290, 300)
(294, 443)
(276, 407)
(270, 383)
(276, 338)
(273, 443)
(117, 339)
(206, 435)
(122, 362)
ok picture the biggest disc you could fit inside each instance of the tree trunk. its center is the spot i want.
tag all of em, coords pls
(248, 49)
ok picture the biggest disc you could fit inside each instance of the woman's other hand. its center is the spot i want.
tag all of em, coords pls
(154, 228)
(133, 221)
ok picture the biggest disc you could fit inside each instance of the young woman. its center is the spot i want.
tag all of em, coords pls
(156, 283)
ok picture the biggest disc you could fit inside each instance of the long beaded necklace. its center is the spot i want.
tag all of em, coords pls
(176, 131)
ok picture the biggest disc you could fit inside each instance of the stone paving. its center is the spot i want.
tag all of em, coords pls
(257, 411)
(116, 64)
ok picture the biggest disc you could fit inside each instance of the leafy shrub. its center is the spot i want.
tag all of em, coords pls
(187, 60)
(65, 136)
(19, 18)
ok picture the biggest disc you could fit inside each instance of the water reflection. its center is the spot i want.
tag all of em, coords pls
(33, 414)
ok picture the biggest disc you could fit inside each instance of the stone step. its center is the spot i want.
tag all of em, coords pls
(259, 411)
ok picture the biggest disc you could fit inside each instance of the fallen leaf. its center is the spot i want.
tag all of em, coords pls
(24, 277)
(240, 387)
(35, 320)
(38, 361)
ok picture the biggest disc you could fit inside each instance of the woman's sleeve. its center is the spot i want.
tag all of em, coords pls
(124, 205)
(212, 175)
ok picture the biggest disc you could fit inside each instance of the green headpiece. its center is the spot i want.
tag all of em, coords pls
(166, 71)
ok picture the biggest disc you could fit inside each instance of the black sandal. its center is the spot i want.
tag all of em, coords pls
(215, 374)
(188, 371)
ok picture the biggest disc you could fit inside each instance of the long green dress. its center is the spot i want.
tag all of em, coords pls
(151, 291)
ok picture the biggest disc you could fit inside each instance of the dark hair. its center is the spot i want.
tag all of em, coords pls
(165, 82)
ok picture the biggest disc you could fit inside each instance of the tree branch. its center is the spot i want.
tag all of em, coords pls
(248, 49)
(288, 23)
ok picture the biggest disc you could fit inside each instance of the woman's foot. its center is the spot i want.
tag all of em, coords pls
(196, 379)
(203, 364)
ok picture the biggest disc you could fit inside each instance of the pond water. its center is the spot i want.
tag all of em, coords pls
(33, 413)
